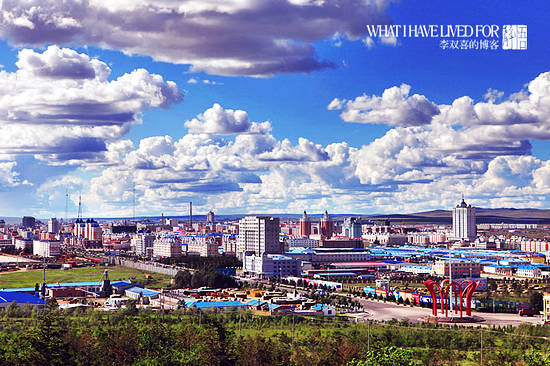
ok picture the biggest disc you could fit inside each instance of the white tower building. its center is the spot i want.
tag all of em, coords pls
(141, 242)
(464, 222)
(53, 225)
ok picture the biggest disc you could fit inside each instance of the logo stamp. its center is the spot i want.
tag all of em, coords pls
(514, 37)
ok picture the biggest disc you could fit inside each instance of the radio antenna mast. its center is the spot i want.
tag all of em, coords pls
(66, 205)
(80, 206)
(134, 194)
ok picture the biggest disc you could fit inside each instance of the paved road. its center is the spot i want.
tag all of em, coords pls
(381, 311)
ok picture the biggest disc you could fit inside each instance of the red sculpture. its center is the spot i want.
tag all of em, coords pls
(443, 289)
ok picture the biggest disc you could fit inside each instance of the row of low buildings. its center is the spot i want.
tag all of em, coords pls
(173, 245)
(514, 242)
(94, 294)
(257, 301)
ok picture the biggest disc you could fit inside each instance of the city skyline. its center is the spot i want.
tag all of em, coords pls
(305, 113)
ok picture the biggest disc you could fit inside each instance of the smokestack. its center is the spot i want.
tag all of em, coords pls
(191, 215)
(162, 218)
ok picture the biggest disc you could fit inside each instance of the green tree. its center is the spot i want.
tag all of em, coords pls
(182, 279)
(50, 342)
(13, 310)
(536, 358)
(131, 309)
(536, 301)
(387, 356)
(51, 305)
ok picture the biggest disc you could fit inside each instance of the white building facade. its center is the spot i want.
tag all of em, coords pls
(207, 248)
(294, 242)
(46, 248)
(258, 235)
(53, 225)
(141, 242)
(351, 228)
(271, 265)
(167, 247)
(464, 222)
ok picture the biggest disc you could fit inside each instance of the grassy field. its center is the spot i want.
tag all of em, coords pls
(31, 277)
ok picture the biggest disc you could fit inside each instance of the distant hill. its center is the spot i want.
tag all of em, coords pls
(443, 217)
(12, 220)
(483, 215)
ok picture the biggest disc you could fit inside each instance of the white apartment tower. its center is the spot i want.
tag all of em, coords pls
(53, 225)
(258, 235)
(464, 222)
(141, 242)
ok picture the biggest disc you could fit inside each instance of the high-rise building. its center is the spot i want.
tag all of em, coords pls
(88, 229)
(327, 226)
(28, 221)
(210, 217)
(141, 242)
(53, 225)
(229, 244)
(464, 222)
(259, 235)
(352, 227)
(305, 225)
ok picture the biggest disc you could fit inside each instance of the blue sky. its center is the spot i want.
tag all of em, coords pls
(76, 116)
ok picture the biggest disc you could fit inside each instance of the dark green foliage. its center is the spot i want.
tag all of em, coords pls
(182, 279)
(140, 337)
(196, 262)
(387, 356)
(203, 277)
(536, 358)
(536, 301)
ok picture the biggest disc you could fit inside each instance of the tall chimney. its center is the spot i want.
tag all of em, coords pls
(191, 215)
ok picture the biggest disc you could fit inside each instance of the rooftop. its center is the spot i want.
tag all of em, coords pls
(143, 291)
(21, 298)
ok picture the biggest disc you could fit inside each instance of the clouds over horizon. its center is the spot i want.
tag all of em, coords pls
(247, 38)
(223, 162)
(62, 107)
(456, 139)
